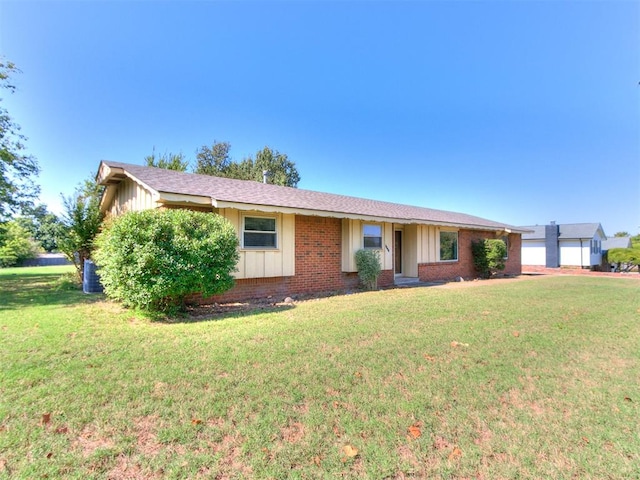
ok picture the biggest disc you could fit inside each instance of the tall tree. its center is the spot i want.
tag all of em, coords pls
(622, 234)
(169, 161)
(280, 170)
(216, 161)
(82, 220)
(44, 226)
(17, 189)
(213, 160)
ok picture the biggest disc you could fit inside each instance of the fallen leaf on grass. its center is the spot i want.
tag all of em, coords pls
(46, 418)
(455, 344)
(628, 399)
(430, 358)
(63, 429)
(455, 454)
(516, 334)
(317, 461)
(350, 451)
(585, 439)
(196, 421)
(415, 431)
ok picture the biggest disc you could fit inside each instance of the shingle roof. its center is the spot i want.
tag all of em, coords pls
(616, 242)
(255, 193)
(567, 231)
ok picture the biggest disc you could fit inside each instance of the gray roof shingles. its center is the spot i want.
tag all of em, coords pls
(256, 193)
(567, 231)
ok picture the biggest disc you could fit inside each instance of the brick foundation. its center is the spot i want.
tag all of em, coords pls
(463, 267)
(318, 257)
(318, 243)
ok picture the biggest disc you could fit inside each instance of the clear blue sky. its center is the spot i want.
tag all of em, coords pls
(521, 112)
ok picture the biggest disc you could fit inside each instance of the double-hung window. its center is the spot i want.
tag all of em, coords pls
(372, 236)
(259, 232)
(448, 246)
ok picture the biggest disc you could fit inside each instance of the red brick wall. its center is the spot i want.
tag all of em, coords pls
(319, 264)
(318, 256)
(463, 267)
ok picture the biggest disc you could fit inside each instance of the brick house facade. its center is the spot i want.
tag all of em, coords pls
(295, 241)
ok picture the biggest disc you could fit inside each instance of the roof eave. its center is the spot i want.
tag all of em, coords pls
(356, 216)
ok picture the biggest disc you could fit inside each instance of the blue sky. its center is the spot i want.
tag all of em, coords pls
(521, 112)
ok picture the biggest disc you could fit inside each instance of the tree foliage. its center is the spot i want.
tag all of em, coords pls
(488, 256)
(215, 160)
(81, 221)
(626, 259)
(16, 244)
(154, 259)
(169, 161)
(369, 268)
(45, 227)
(17, 188)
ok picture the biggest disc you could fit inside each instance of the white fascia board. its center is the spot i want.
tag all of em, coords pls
(351, 216)
(166, 197)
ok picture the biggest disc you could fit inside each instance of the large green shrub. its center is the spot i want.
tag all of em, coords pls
(488, 256)
(368, 265)
(16, 244)
(154, 259)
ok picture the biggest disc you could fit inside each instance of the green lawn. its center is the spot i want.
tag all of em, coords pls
(528, 378)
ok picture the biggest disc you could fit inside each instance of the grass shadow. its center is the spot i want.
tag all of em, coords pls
(39, 289)
(217, 312)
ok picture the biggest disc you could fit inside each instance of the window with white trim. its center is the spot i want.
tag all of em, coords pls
(259, 232)
(448, 246)
(372, 236)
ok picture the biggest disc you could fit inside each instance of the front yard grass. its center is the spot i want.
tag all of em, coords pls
(528, 378)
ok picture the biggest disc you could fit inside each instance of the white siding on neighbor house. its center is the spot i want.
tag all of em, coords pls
(534, 252)
(263, 263)
(131, 197)
(596, 258)
(574, 255)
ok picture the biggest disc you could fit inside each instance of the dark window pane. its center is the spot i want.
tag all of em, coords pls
(260, 224)
(448, 246)
(252, 239)
(372, 242)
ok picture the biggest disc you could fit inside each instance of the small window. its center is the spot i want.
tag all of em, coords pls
(259, 232)
(448, 246)
(372, 236)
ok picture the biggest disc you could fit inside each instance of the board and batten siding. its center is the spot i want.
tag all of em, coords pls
(131, 197)
(265, 263)
(353, 240)
(420, 244)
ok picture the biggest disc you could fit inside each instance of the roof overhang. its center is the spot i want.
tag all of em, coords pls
(500, 230)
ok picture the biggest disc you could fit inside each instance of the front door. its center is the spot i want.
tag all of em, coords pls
(397, 252)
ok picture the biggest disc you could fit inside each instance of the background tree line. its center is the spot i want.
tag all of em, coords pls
(216, 160)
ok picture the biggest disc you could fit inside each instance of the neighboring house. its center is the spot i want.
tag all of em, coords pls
(565, 245)
(608, 244)
(616, 242)
(295, 241)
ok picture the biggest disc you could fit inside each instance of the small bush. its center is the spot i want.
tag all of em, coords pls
(368, 265)
(488, 256)
(154, 259)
